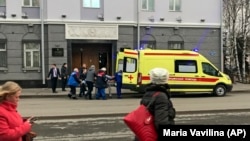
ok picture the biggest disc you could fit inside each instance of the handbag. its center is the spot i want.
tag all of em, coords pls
(141, 122)
(29, 136)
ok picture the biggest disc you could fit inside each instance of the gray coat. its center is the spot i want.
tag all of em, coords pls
(90, 76)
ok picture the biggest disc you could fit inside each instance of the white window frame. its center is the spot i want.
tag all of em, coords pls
(175, 45)
(4, 50)
(91, 3)
(175, 4)
(147, 8)
(31, 3)
(2, 2)
(31, 52)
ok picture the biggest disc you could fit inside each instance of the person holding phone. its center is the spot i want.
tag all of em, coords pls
(12, 125)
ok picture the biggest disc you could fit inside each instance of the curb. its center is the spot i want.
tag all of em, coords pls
(123, 114)
(113, 95)
(240, 91)
(125, 95)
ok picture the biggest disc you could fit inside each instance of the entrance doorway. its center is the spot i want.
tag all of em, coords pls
(96, 54)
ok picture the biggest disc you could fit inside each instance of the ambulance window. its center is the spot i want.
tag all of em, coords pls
(209, 69)
(129, 64)
(185, 66)
(120, 64)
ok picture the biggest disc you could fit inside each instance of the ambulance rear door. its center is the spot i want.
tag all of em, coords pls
(130, 69)
(119, 61)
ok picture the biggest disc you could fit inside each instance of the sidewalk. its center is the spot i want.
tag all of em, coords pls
(47, 92)
(63, 107)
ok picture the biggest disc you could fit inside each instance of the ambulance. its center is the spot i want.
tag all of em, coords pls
(189, 71)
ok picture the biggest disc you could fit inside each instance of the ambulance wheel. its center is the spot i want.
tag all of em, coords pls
(219, 90)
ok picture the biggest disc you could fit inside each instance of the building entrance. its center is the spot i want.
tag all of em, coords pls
(96, 54)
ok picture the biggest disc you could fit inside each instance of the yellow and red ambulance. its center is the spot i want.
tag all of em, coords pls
(189, 71)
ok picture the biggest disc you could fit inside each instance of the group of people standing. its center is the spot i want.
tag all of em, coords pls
(86, 78)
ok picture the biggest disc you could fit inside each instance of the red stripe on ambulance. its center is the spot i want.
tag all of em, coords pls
(133, 53)
(172, 54)
(192, 79)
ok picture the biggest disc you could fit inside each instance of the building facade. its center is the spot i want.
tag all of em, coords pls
(37, 33)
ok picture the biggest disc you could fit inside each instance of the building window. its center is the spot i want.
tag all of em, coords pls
(148, 5)
(91, 3)
(175, 5)
(31, 3)
(2, 2)
(175, 45)
(148, 45)
(3, 55)
(31, 55)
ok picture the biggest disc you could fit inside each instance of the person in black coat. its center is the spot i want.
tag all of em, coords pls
(53, 75)
(64, 76)
(101, 84)
(83, 85)
(162, 108)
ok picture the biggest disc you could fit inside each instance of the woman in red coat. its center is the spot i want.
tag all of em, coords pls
(12, 126)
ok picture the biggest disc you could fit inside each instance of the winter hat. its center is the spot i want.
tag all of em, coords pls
(159, 76)
(103, 69)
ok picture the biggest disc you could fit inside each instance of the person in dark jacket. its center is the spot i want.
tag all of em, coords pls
(101, 83)
(162, 108)
(73, 82)
(118, 81)
(54, 75)
(64, 76)
(83, 85)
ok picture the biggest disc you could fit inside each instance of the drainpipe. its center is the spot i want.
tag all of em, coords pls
(138, 24)
(221, 34)
(42, 40)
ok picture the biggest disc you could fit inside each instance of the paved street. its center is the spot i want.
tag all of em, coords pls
(112, 128)
(64, 107)
(63, 119)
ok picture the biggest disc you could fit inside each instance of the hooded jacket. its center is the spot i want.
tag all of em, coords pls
(12, 126)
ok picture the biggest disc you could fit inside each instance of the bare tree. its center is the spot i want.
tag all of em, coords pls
(236, 15)
(245, 19)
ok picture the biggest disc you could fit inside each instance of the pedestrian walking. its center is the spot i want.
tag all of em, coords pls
(118, 81)
(73, 82)
(12, 125)
(54, 75)
(64, 76)
(161, 108)
(90, 78)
